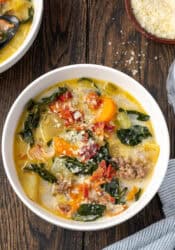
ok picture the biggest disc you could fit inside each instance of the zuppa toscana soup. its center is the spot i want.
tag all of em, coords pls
(85, 149)
(15, 22)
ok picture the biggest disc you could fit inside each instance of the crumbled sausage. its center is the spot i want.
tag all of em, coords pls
(65, 208)
(61, 186)
(132, 169)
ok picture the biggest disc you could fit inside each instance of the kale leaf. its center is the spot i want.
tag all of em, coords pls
(104, 154)
(138, 194)
(140, 116)
(85, 79)
(31, 123)
(54, 96)
(89, 212)
(77, 167)
(41, 171)
(34, 114)
(133, 135)
(115, 190)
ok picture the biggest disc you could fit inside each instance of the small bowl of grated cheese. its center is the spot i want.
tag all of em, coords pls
(154, 19)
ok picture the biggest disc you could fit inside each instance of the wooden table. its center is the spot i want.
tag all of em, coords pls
(81, 31)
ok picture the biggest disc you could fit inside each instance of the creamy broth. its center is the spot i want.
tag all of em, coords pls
(85, 151)
(23, 10)
(15, 43)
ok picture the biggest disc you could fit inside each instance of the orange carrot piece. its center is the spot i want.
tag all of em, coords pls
(63, 147)
(107, 111)
(131, 194)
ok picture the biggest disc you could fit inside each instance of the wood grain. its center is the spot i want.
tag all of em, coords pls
(80, 31)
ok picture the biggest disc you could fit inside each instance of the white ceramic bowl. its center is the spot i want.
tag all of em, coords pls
(38, 6)
(98, 72)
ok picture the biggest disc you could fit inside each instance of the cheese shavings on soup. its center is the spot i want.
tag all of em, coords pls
(85, 149)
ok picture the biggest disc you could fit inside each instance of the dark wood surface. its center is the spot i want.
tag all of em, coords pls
(81, 31)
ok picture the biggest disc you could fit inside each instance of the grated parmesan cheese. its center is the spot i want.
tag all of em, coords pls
(156, 16)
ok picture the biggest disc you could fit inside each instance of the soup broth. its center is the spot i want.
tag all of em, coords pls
(11, 38)
(85, 149)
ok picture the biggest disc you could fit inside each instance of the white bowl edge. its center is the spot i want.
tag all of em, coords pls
(36, 23)
(98, 72)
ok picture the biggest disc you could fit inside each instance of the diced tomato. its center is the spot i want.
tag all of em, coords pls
(93, 100)
(85, 190)
(102, 164)
(67, 115)
(98, 128)
(99, 173)
(89, 151)
(54, 107)
(109, 128)
(103, 127)
(66, 96)
(103, 172)
(108, 171)
(112, 199)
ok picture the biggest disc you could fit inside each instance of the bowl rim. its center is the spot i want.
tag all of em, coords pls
(20, 52)
(36, 209)
(139, 28)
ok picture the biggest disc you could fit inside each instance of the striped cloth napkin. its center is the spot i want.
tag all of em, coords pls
(161, 235)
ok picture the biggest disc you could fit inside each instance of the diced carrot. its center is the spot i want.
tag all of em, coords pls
(63, 147)
(131, 194)
(107, 111)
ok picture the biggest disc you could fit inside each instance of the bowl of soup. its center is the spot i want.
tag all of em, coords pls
(85, 147)
(19, 24)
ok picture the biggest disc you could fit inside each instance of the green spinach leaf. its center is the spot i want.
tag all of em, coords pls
(41, 171)
(34, 114)
(77, 167)
(30, 124)
(138, 194)
(89, 212)
(104, 154)
(115, 190)
(85, 79)
(140, 116)
(54, 96)
(133, 135)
